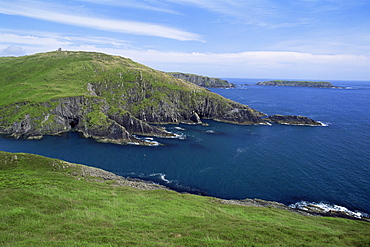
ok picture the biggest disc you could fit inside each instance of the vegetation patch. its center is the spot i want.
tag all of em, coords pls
(48, 202)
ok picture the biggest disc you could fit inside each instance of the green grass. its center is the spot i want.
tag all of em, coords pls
(120, 81)
(45, 76)
(33, 87)
(44, 202)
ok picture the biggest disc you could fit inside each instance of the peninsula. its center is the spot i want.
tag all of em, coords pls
(109, 98)
(320, 84)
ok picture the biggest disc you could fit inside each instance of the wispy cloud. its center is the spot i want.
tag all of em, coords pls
(22, 42)
(153, 5)
(10, 38)
(274, 14)
(37, 11)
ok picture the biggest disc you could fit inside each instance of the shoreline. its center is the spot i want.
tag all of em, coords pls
(100, 175)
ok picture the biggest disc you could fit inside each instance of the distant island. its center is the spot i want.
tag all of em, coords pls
(320, 84)
(203, 81)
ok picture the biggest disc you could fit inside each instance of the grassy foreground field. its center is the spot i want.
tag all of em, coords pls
(47, 202)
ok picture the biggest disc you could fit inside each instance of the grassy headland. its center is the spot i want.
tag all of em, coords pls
(48, 202)
(102, 96)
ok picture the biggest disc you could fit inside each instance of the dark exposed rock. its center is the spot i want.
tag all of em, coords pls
(77, 113)
(292, 120)
(195, 118)
(136, 126)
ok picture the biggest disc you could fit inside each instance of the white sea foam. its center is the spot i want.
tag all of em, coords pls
(133, 143)
(179, 128)
(181, 136)
(148, 141)
(162, 176)
(241, 150)
(325, 208)
(324, 124)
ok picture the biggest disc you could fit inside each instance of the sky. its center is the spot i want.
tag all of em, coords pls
(275, 39)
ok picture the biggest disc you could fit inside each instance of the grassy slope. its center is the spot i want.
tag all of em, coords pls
(42, 204)
(123, 83)
(51, 75)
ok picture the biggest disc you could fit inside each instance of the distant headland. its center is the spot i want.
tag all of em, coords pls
(203, 81)
(320, 84)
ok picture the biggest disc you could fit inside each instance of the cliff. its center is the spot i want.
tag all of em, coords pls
(203, 81)
(109, 98)
(321, 84)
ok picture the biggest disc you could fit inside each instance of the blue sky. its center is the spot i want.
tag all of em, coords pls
(277, 39)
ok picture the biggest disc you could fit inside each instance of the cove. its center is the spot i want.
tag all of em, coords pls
(280, 163)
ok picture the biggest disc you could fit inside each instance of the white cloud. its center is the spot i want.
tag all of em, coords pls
(12, 50)
(260, 64)
(147, 5)
(31, 40)
(248, 64)
(38, 11)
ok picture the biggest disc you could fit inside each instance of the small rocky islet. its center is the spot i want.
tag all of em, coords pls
(282, 83)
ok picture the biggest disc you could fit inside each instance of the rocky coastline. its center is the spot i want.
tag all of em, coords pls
(99, 175)
(114, 99)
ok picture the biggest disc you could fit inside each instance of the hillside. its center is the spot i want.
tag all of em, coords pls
(74, 205)
(203, 81)
(107, 97)
(321, 84)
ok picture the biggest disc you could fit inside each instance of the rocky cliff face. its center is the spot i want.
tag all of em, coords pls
(88, 115)
(177, 106)
(112, 98)
(203, 81)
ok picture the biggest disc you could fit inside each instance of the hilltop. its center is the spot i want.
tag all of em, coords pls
(49, 202)
(110, 98)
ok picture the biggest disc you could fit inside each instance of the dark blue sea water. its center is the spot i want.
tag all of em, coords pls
(287, 164)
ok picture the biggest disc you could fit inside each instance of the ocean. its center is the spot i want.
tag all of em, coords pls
(295, 165)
